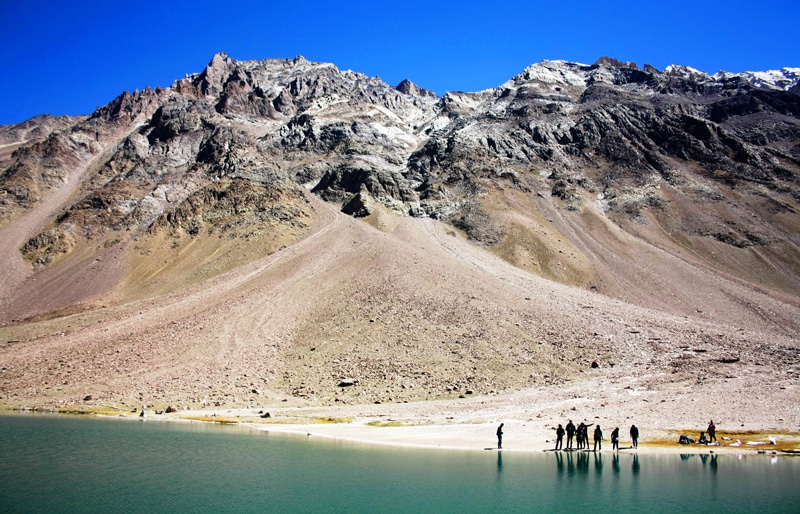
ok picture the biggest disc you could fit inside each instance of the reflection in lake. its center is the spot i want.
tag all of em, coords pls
(89, 465)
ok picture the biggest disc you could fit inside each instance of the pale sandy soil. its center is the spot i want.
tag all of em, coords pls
(449, 339)
(470, 424)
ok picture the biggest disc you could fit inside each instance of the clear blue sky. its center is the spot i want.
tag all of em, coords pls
(69, 57)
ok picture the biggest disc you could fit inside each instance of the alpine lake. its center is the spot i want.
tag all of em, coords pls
(60, 463)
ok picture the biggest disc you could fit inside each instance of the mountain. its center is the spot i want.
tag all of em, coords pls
(276, 227)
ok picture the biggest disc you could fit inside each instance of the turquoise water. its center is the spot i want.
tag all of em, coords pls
(79, 464)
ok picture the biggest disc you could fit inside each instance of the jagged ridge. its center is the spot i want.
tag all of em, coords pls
(655, 152)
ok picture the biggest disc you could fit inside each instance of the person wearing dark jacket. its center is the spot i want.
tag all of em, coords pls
(615, 439)
(559, 437)
(635, 436)
(712, 431)
(598, 438)
(570, 434)
(583, 435)
(500, 436)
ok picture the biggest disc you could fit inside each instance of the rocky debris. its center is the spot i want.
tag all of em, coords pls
(651, 187)
(360, 205)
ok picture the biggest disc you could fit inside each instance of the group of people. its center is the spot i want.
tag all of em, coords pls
(581, 436)
(712, 434)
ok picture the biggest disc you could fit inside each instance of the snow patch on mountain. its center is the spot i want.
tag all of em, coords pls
(782, 79)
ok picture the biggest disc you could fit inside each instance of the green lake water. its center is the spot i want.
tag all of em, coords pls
(81, 464)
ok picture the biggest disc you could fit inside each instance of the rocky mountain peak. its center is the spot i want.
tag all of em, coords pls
(235, 148)
(409, 88)
(282, 230)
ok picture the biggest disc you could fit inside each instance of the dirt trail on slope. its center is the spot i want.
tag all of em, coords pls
(418, 315)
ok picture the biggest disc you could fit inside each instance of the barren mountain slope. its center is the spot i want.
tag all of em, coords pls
(415, 313)
(584, 224)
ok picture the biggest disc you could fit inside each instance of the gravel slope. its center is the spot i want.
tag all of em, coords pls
(415, 324)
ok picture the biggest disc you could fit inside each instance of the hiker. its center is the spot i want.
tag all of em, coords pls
(615, 439)
(500, 436)
(559, 437)
(579, 434)
(570, 434)
(712, 431)
(598, 438)
(635, 436)
(585, 435)
(703, 439)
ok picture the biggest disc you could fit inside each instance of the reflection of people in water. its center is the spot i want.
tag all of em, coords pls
(560, 463)
(615, 462)
(635, 464)
(598, 463)
(711, 460)
(583, 462)
(499, 462)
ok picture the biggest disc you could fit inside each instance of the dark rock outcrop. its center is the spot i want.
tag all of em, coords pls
(240, 142)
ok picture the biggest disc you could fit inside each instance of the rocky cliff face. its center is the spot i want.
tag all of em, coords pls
(707, 165)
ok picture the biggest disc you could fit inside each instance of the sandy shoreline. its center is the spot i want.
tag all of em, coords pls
(478, 438)
(529, 418)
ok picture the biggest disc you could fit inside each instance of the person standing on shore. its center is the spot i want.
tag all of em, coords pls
(570, 434)
(583, 433)
(579, 434)
(615, 439)
(598, 438)
(559, 437)
(712, 432)
(635, 436)
(500, 436)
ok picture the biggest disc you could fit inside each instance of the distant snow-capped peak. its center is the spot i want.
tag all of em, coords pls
(782, 79)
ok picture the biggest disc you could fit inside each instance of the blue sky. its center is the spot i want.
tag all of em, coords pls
(64, 57)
